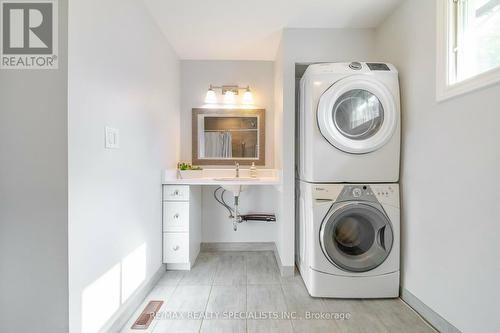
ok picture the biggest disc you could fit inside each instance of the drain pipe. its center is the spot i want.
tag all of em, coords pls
(237, 217)
(234, 213)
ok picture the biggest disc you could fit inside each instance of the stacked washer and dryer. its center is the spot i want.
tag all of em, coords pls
(348, 169)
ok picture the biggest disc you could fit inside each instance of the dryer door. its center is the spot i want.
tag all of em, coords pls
(356, 236)
(357, 114)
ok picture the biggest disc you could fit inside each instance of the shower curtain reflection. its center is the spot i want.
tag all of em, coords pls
(218, 145)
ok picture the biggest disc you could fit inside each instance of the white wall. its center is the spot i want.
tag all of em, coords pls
(450, 180)
(123, 74)
(33, 196)
(196, 76)
(306, 46)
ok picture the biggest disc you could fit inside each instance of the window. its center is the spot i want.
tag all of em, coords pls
(468, 46)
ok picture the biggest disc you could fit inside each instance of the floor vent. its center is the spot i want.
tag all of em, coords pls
(147, 315)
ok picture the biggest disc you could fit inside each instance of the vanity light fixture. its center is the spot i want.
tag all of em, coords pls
(229, 92)
(247, 97)
(211, 97)
(229, 97)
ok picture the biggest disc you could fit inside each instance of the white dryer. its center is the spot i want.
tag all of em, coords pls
(349, 240)
(349, 123)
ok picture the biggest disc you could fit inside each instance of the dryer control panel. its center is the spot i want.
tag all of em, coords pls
(355, 67)
(377, 66)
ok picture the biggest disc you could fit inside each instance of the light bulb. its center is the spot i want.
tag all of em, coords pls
(229, 97)
(248, 97)
(211, 97)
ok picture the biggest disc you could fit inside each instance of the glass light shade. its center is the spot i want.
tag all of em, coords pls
(211, 97)
(229, 97)
(248, 98)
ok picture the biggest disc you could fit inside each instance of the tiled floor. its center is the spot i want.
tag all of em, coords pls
(248, 283)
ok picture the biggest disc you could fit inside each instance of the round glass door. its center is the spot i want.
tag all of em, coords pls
(356, 236)
(357, 115)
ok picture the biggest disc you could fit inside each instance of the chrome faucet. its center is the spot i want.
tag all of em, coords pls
(237, 170)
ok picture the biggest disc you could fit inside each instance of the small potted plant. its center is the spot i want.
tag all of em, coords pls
(187, 171)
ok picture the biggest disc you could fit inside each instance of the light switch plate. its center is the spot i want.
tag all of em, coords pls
(111, 138)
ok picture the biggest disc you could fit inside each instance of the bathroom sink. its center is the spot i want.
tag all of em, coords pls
(236, 189)
(234, 179)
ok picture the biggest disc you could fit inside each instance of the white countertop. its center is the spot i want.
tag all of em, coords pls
(212, 177)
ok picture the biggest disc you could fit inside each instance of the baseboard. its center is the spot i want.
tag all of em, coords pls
(285, 271)
(185, 266)
(248, 246)
(120, 318)
(237, 246)
(433, 318)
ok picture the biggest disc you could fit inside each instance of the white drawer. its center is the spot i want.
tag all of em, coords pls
(175, 247)
(175, 193)
(175, 216)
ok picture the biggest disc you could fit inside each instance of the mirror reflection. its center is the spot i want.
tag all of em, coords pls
(236, 135)
(229, 137)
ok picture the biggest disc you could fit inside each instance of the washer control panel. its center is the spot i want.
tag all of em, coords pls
(387, 193)
(383, 193)
(357, 192)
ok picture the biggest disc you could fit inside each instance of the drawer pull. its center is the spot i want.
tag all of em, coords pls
(175, 248)
(176, 192)
(176, 216)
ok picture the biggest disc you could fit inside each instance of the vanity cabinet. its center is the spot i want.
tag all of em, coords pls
(181, 225)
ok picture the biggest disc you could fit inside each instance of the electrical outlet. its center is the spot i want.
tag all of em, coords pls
(111, 138)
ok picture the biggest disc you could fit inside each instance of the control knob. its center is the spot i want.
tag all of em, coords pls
(356, 192)
(355, 65)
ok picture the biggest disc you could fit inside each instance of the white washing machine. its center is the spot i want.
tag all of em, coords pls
(349, 123)
(349, 236)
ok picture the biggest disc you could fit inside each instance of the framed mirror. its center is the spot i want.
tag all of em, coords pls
(228, 136)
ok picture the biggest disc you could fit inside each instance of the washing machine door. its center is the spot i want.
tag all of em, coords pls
(357, 114)
(356, 236)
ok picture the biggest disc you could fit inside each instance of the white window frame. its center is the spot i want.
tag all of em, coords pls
(445, 62)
